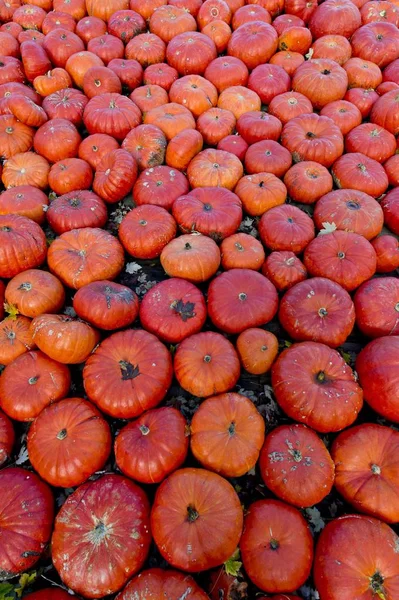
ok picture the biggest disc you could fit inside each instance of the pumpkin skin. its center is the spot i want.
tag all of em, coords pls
(195, 93)
(267, 156)
(350, 210)
(307, 182)
(249, 13)
(15, 338)
(125, 24)
(372, 140)
(242, 251)
(20, 551)
(22, 245)
(377, 307)
(284, 270)
(149, 97)
(332, 47)
(34, 292)
(289, 61)
(376, 42)
(271, 525)
(34, 60)
(60, 44)
(356, 171)
(344, 114)
(69, 175)
(106, 305)
(384, 111)
(68, 442)
(15, 137)
(53, 81)
(344, 257)
(286, 227)
(219, 32)
(387, 251)
(7, 438)
(314, 385)
(26, 201)
(95, 527)
(366, 469)
(94, 147)
(160, 74)
(182, 149)
(56, 140)
(169, 21)
(269, 81)
(171, 118)
(30, 383)
(254, 43)
(241, 298)
(112, 114)
(255, 126)
(290, 446)
(116, 174)
(318, 310)
(147, 49)
(206, 364)
(107, 47)
(80, 256)
(363, 99)
(146, 230)
(321, 80)
(211, 211)
(124, 356)
(392, 170)
(365, 575)
(226, 71)
(362, 73)
(214, 168)
(79, 63)
(257, 349)
(378, 369)
(26, 111)
(70, 342)
(239, 100)
(190, 53)
(76, 210)
(162, 583)
(26, 168)
(234, 144)
(172, 310)
(100, 80)
(147, 144)
(390, 205)
(337, 17)
(130, 72)
(105, 10)
(191, 506)
(227, 433)
(153, 446)
(215, 124)
(192, 256)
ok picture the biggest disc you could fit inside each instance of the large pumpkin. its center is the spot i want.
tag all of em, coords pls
(321, 80)
(112, 114)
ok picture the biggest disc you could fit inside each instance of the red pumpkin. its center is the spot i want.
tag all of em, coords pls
(344, 114)
(7, 438)
(26, 201)
(190, 53)
(268, 81)
(215, 124)
(107, 47)
(126, 356)
(76, 8)
(90, 27)
(146, 230)
(384, 112)
(284, 22)
(125, 24)
(26, 111)
(227, 433)
(106, 305)
(296, 466)
(56, 140)
(250, 13)
(85, 524)
(68, 442)
(34, 292)
(392, 170)
(254, 43)
(150, 97)
(160, 74)
(378, 369)
(321, 80)
(257, 349)
(376, 42)
(332, 47)
(196, 519)
(374, 573)
(387, 250)
(34, 60)
(319, 310)
(22, 245)
(194, 257)
(286, 227)
(233, 144)
(49, 594)
(356, 171)
(69, 175)
(214, 168)
(362, 73)
(206, 364)
(307, 182)
(289, 61)
(11, 70)
(226, 71)
(146, 49)
(115, 176)
(76, 210)
(58, 20)
(169, 21)
(153, 446)
(160, 186)
(173, 310)
(20, 551)
(390, 204)
(147, 144)
(130, 72)
(163, 583)
(284, 269)
(30, 383)
(277, 535)
(242, 251)
(101, 80)
(60, 44)
(183, 147)
(219, 32)
(267, 156)
(15, 338)
(255, 126)
(113, 114)
(372, 140)
(94, 147)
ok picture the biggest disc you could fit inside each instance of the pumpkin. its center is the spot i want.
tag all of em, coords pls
(307, 182)
(34, 60)
(160, 186)
(94, 147)
(296, 466)
(378, 369)
(350, 210)
(239, 100)
(56, 20)
(171, 118)
(106, 305)
(242, 251)
(190, 53)
(214, 168)
(113, 114)
(30, 383)
(226, 71)
(7, 9)
(193, 257)
(219, 32)
(212, 10)
(15, 338)
(392, 170)
(107, 47)
(227, 433)
(286, 227)
(195, 93)
(196, 519)
(344, 114)
(376, 42)
(206, 364)
(215, 124)
(372, 140)
(149, 97)
(34, 292)
(284, 269)
(125, 24)
(26, 201)
(356, 171)
(169, 21)
(268, 81)
(101, 80)
(106, 9)
(173, 310)
(160, 74)
(26, 111)
(255, 126)
(76, 8)
(319, 310)
(146, 230)
(384, 111)
(22, 245)
(130, 72)
(254, 43)
(53, 81)
(79, 63)
(15, 137)
(20, 551)
(332, 47)
(60, 44)
(7, 438)
(153, 446)
(313, 137)
(289, 61)
(115, 176)
(235, 145)
(11, 70)
(125, 356)
(241, 298)
(267, 156)
(56, 140)
(390, 204)
(362, 73)
(250, 13)
(68, 442)
(164, 583)
(191, 6)
(26, 169)
(277, 535)
(387, 250)
(369, 574)
(147, 144)
(295, 39)
(76, 210)
(69, 175)
(28, 35)
(146, 49)
(320, 80)
(182, 148)
(95, 527)
(80, 256)
(145, 8)
(257, 349)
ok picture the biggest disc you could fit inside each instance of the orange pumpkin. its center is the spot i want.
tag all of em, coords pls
(15, 137)
(147, 145)
(195, 93)
(284, 269)
(104, 10)
(79, 63)
(241, 251)
(257, 349)
(115, 175)
(54, 81)
(34, 292)
(171, 118)
(267, 156)
(344, 114)
(254, 43)
(170, 21)
(225, 72)
(26, 169)
(214, 168)
(15, 338)
(182, 148)
(146, 230)
(215, 124)
(239, 100)
(106, 305)
(24, 200)
(260, 192)
(148, 97)
(190, 53)
(69, 175)
(147, 49)
(333, 47)
(307, 182)
(22, 245)
(192, 256)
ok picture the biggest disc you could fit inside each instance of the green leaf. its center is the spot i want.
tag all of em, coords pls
(6, 591)
(232, 566)
(25, 580)
(346, 356)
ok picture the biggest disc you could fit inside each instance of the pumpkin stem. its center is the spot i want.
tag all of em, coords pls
(377, 585)
(310, 134)
(239, 246)
(128, 371)
(207, 358)
(61, 435)
(144, 429)
(242, 296)
(341, 255)
(323, 312)
(352, 205)
(296, 454)
(192, 514)
(274, 544)
(187, 246)
(207, 207)
(33, 380)
(375, 469)
(232, 428)
(397, 307)
(321, 377)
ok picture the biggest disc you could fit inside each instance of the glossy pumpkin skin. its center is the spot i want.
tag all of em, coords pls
(95, 527)
(315, 386)
(153, 446)
(257, 349)
(227, 433)
(69, 175)
(378, 368)
(206, 363)
(125, 357)
(190, 53)
(76, 210)
(241, 298)
(344, 114)
(242, 251)
(162, 584)
(277, 535)
(7, 438)
(367, 472)
(193, 257)
(377, 307)
(34, 292)
(286, 227)
(57, 139)
(173, 310)
(338, 16)
(26, 169)
(68, 442)
(387, 251)
(284, 269)
(66, 104)
(106, 305)
(214, 168)
(20, 551)
(296, 466)
(22, 245)
(115, 176)
(30, 383)
(81, 256)
(366, 574)
(146, 230)
(196, 519)
(226, 71)
(317, 310)
(371, 139)
(94, 147)
(253, 43)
